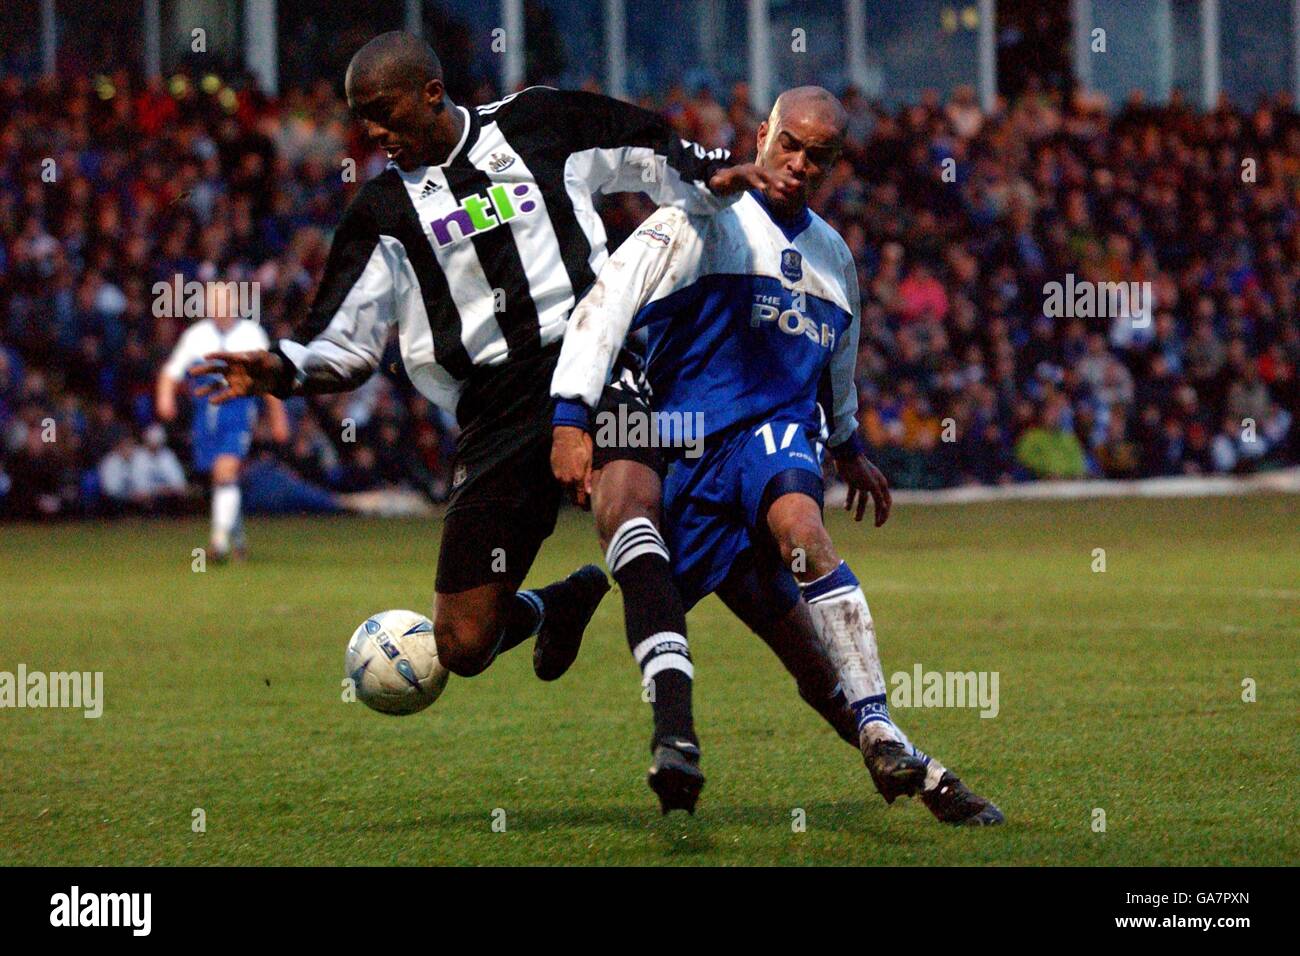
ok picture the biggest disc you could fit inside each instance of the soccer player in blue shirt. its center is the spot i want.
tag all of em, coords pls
(221, 434)
(752, 325)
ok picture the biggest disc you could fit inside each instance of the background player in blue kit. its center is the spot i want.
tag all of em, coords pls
(752, 320)
(221, 434)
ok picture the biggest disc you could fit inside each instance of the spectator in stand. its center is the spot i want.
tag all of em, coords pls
(44, 482)
(156, 473)
(921, 296)
(1049, 450)
(114, 470)
(1118, 456)
(1248, 396)
(142, 476)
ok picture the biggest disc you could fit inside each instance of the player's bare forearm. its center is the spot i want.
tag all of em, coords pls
(571, 453)
(278, 418)
(165, 398)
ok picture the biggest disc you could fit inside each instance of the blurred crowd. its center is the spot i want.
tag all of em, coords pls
(107, 189)
(958, 221)
(961, 222)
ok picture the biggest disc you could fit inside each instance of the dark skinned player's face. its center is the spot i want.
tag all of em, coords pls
(806, 144)
(403, 121)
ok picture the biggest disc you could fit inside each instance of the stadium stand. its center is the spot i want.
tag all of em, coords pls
(958, 220)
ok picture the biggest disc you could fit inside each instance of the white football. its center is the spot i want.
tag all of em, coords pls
(392, 661)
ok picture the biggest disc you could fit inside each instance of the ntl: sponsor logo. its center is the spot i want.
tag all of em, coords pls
(103, 909)
(75, 689)
(923, 688)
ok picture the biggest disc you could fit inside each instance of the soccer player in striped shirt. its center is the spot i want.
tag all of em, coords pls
(475, 243)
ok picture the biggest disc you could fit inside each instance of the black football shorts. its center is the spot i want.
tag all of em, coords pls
(504, 498)
(614, 433)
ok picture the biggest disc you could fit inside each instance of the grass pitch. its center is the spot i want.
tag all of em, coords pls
(1119, 691)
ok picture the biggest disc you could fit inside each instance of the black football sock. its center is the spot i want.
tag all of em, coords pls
(524, 619)
(529, 608)
(656, 625)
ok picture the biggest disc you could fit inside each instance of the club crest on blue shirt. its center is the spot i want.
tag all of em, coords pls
(792, 265)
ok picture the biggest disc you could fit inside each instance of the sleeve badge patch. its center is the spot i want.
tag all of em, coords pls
(655, 234)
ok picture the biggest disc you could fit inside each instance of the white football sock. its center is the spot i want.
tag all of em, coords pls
(843, 620)
(225, 514)
(849, 633)
(934, 770)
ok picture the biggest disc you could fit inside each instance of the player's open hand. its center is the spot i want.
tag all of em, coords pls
(733, 179)
(863, 479)
(571, 462)
(239, 374)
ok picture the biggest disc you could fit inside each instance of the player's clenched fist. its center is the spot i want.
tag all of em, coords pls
(571, 462)
(244, 373)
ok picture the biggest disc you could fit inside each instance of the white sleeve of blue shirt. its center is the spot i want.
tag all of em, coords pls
(844, 361)
(599, 325)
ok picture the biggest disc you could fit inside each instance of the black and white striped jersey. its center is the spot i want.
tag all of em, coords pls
(479, 261)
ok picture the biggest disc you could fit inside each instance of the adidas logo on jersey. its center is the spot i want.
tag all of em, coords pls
(429, 189)
(479, 213)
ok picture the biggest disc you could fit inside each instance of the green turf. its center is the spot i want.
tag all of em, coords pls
(1120, 691)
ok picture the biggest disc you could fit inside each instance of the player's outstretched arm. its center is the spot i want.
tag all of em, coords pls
(597, 329)
(618, 147)
(186, 352)
(599, 325)
(164, 400)
(243, 374)
(278, 419)
(340, 344)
